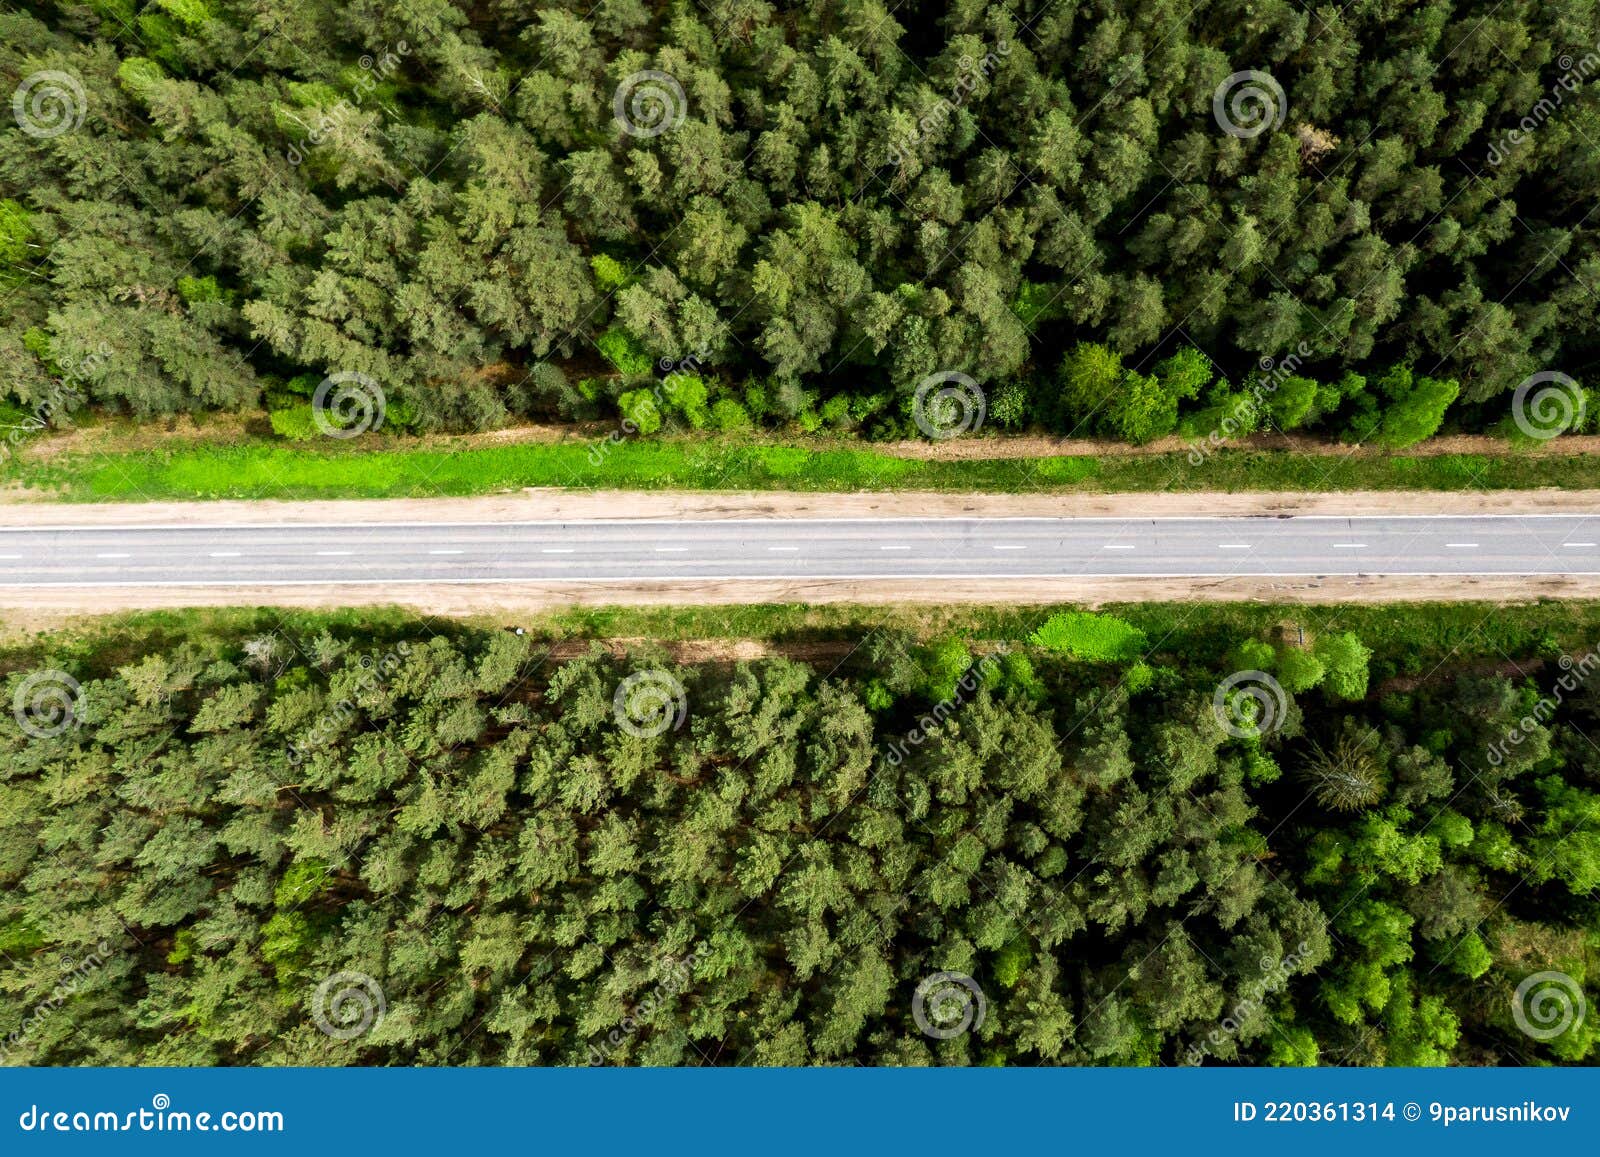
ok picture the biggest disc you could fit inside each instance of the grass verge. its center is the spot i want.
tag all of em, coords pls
(270, 470)
(1409, 639)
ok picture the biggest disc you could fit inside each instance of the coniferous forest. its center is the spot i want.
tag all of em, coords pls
(391, 846)
(1246, 835)
(1111, 216)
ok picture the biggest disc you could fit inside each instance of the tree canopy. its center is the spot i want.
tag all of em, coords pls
(381, 845)
(518, 208)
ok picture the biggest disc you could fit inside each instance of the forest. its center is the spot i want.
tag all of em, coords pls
(375, 843)
(1128, 219)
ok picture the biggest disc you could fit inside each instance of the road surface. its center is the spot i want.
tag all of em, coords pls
(778, 548)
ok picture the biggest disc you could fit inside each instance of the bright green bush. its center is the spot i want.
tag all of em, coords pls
(297, 423)
(1008, 407)
(639, 407)
(1292, 402)
(15, 232)
(944, 663)
(1416, 408)
(1298, 670)
(1085, 635)
(686, 394)
(729, 417)
(626, 354)
(609, 274)
(1345, 660)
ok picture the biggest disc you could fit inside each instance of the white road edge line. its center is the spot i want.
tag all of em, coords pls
(397, 580)
(924, 519)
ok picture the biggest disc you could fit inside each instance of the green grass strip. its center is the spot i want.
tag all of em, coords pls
(275, 471)
(1407, 639)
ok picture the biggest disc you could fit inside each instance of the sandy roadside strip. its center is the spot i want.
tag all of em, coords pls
(505, 602)
(564, 505)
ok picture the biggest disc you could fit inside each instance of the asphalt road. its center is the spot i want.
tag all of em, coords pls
(722, 549)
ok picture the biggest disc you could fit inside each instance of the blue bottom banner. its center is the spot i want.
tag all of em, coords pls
(799, 1111)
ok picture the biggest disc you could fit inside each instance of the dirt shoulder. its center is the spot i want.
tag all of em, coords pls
(504, 603)
(566, 505)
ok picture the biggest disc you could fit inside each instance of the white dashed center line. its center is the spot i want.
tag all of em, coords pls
(783, 548)
(444, 552)
(1577, 544)
(333, 553)
(1349, 546)
(1233, 546)
(671, 549)
(1116, 546)
(1005, 546)
(224, 554)
(111, 556)
(1461, 546)
(894, 548)
(558, 550)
